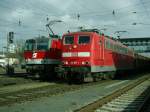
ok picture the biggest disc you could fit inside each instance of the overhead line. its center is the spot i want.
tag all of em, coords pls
(84, 13)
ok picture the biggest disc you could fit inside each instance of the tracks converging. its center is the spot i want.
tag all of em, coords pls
(128, 99)
(131, 101)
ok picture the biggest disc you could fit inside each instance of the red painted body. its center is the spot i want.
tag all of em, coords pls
(54, 52)
(90, 54)
(101, 54)
(74, 49)
(42, 54)
(82, 54)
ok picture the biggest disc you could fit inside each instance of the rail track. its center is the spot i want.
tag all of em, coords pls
(14, 80)
(62, 97)
(12, 94)
(146, 106)
(128, 99)
(27, 92)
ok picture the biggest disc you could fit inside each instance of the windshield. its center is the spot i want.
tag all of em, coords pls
(84, 39)
(30, 44)
(38, 44)
(68, 40)
(42, 44)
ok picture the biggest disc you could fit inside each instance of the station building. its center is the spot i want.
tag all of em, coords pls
(140, 45)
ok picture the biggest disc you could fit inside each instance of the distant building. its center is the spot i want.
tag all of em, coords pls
(4, 61)
(140, 45)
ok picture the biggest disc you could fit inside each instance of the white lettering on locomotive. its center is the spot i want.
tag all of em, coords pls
(34, 55)
(76, 54)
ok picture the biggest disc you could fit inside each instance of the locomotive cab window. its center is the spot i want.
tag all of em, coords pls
(84, 39)
(42, 44)
(30, 45)
(68, 40)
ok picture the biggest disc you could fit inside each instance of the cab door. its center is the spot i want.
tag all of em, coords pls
(97, 50)
(102, 47)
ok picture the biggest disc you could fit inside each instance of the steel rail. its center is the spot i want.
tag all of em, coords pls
(93, 106)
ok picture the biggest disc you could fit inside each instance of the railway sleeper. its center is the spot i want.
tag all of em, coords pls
(127, 102)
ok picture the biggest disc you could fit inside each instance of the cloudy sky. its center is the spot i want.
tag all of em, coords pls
(27, 18)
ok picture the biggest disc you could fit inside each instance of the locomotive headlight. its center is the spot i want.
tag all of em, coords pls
(74, 46)
(66, 62)
(83, 63)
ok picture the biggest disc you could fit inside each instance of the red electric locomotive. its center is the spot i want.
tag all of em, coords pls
(90, 54)
(42, 55)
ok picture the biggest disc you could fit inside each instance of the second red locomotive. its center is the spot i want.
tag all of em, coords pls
(91, 54)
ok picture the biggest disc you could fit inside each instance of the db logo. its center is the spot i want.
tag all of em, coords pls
(34, 55)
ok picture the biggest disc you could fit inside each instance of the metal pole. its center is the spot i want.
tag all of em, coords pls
(8, 68)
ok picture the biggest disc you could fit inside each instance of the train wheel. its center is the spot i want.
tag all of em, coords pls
(37, 75)
(105, 76)
(69, 78)
(94, 78)
(81, 78)
(112, 75)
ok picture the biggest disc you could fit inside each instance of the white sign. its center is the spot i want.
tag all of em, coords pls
(11, 48)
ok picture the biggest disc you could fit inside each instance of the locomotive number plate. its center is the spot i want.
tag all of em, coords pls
(74, 54)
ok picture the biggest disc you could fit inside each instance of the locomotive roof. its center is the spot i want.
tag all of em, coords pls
(111, 39)
(80, 33)
(85, 31)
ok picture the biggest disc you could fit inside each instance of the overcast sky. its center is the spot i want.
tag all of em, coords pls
(27, 18)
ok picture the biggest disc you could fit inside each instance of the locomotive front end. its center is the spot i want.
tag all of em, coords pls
(42, 55)
(76, 54)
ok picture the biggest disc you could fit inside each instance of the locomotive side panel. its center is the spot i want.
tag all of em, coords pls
(97, 52)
